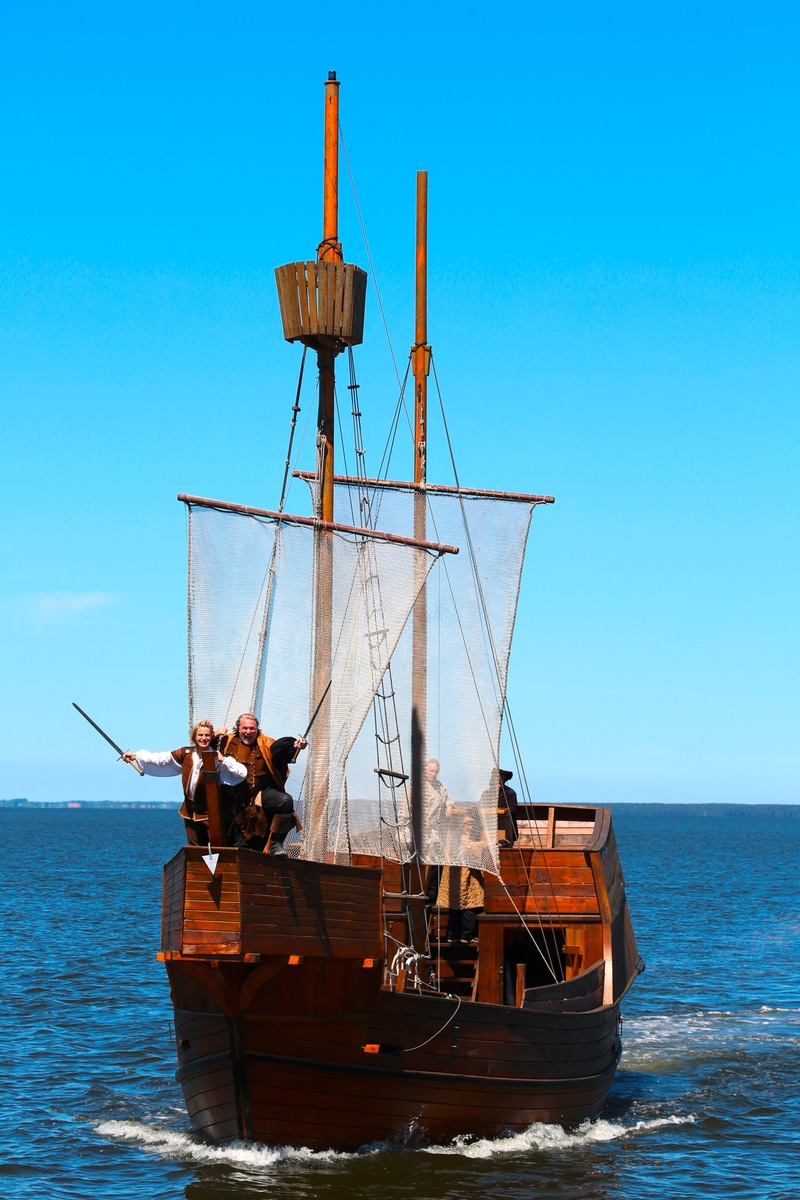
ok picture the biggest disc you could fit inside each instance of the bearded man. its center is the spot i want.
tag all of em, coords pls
(259, 805)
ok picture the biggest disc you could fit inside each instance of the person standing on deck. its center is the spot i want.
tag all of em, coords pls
(188, 763)
(507, 805)
(259, 805)
(438, 806)
(461, 888)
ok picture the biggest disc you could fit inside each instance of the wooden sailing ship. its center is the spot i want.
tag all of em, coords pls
(318, 1001)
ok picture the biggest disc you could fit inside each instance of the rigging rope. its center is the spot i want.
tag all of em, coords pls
(449, 1021)
(295, 411)
(384, 705)
(369, 253)
(269, 573)
(368, 517)
(497, 680)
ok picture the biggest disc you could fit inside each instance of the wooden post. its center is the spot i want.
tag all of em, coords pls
(330, 249)
(412, 873)
(421, 351)
(519, 991)
(322, 305)
(326, 360)
(420, 357)
(217, 834)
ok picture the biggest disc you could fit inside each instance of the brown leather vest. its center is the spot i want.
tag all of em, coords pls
(237, 749)
(194, 808)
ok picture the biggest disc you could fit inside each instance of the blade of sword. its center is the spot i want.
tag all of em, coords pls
(103, 733)
(316, 710)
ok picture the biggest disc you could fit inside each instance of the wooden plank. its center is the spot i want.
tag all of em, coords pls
(442, 1067)
(272, 882)
(199, 1044)
(310, 942)
(347, 302)
(557, 881)
(490, 959)
(473, 1053)
(307, 289)
(337, 908)
(332, 916)
(212, 947)
(605, 913)
(332, 925)
(172, 912)
(531, 907)
(559, 1059)
(330, 323)
(321, 298)
(274, 893)
(532, 860)
(489, 1094)
(581, 993)
(338, 300)
(411, 1019)
(285, 303)
(286, 278)
(359, 301)
(336, 943)
(208, 1086)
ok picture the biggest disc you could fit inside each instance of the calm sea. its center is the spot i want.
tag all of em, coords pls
(707, 1097)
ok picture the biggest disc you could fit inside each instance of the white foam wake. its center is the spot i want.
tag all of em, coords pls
(656, 1043)
(555, 1137)
(167, 1143)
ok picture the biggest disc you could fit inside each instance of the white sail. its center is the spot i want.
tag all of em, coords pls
(471, 608)
(253, 627)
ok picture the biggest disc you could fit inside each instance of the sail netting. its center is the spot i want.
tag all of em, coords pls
(258, 589)
(470, 604)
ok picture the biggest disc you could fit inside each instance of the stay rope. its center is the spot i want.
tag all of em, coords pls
(368, 517)
(369, 253)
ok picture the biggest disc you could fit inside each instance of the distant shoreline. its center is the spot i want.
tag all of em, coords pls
(23, 803)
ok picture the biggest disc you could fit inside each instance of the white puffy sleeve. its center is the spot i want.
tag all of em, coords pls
(159, 762)
(231, 772)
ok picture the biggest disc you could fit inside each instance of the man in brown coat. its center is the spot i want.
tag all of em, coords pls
(259, 804)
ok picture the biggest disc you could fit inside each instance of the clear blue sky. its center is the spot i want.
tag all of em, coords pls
(614, 304)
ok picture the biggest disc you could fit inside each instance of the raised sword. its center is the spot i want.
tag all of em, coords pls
(103, 733)
(316, 710)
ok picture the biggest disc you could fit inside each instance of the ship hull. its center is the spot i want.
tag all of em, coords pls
(311, 1083)
(294, 1027)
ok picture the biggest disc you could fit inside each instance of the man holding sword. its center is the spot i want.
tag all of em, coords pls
(258, 805)
(187, 761)
(253, 769)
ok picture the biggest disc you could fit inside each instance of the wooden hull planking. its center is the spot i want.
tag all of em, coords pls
(287, 1032)
(282, 1082)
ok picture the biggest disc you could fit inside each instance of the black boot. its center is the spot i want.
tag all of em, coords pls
(281, 824)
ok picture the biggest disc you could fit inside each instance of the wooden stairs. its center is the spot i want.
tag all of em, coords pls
(455, 964)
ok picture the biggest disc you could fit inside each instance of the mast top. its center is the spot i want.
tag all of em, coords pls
(322, 302)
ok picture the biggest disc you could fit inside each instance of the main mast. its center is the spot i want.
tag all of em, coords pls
(328, 251)
(322, 306)
(420, 363)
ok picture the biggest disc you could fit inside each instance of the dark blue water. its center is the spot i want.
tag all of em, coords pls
(707, 1096)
